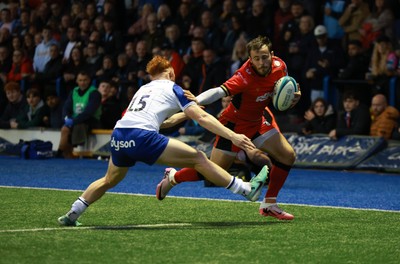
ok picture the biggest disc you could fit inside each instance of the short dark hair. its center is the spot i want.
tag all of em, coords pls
(258, 43)
(355, 42)
(350, 94)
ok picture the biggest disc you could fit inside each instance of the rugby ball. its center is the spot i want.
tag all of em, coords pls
(284, 90)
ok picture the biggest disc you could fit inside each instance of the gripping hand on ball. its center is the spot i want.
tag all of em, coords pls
(297, 96)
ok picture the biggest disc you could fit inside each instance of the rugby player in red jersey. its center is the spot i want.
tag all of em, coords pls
(252, 88)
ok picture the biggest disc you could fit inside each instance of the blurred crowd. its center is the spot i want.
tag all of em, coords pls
(46, 46)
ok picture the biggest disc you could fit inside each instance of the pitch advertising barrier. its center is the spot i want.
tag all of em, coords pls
(319, 151)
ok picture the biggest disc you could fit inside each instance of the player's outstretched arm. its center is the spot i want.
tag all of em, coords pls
(210, 96)
(174, 120)
(212, 124)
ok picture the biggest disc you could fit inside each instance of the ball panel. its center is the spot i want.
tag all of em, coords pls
(285, 88)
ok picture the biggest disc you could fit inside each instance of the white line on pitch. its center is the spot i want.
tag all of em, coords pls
(97, 227)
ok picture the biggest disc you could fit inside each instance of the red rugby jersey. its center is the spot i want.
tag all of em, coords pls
(252, 92)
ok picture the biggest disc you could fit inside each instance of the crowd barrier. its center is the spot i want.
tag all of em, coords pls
(313, 151)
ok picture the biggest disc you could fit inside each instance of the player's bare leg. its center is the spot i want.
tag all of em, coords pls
(181, 155)
(94, 192)
(283, 157)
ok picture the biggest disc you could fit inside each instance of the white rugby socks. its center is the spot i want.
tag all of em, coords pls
(238, 186)
(77, 208)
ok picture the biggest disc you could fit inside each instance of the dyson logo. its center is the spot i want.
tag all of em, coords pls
(117, 145)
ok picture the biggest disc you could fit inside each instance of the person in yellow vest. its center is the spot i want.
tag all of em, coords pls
(384, 117)
(81, 111)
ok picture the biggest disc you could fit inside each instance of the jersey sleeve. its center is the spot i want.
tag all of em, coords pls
(182, 100)
(235, 85)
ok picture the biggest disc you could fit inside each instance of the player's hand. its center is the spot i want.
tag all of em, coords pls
(332, 134)
(297, 96)
(188, 94)
(242, 142)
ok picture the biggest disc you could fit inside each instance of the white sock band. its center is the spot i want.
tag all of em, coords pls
(77, 208)
(237, 186)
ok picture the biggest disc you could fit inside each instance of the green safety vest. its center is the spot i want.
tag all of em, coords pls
(79, 103)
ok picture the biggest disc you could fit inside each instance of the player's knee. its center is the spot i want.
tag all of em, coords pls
(290, 156)
(201, 157)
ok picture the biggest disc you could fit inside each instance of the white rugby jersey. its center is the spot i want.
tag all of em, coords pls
(152, 104)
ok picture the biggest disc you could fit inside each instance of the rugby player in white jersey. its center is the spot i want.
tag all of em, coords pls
(136, 137)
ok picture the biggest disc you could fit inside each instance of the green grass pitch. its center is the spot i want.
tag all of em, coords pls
(140, 229)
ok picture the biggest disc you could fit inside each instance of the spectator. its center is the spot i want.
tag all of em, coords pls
(290, 30)
(71, 42)
(6, 20)
(138, 66)
(107, 70)
(136, 29)
(239, 55)
(383, 64)
(21, 68)
(77, 12)
(112, 38)
(355, 69)
(259, 20)
(5, 63)
(164, 17)
(225, 101)
(33, 113)
(82, 112)
(234, 33)
(320, 118)
(175, 59)
(16, 43)
(379, 22)
(213, 35)
(110, 106)
(42, 51)
(54, 117)
(324, 59)
(63, 28)
(213, 74)
(193, 62)
(353, 16)
(51, 72)
(15, 106)
(224, 20)
(24, 24)
(93, 58)
(121, 74)
(153, 36)
(297, 50)
(184, 19)
(85, 29)
(56, 12)
(358, 62)
(71, 69)
(384, 117)
(333, 10)
(5, 37)
(174, 39)
(91, 12)
(355, 120)
(29, 45)
(242, 9)
(40, 15)
(281, 16)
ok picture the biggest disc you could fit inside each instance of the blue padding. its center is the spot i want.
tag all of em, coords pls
(392, 91)
(387, 160)
(319, 151)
